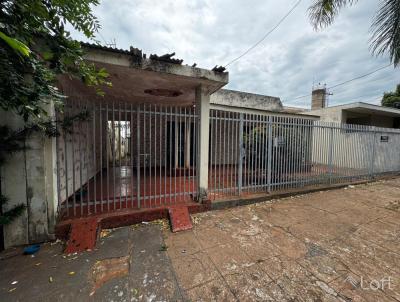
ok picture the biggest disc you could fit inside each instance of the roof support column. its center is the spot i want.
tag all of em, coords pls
(202, 98)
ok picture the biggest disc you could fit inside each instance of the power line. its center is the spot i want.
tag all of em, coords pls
(266, 35)
(359, 77)
(347, 81)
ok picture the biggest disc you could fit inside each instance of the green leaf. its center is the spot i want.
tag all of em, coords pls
(16, 45)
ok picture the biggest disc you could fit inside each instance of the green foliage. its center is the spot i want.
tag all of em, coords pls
(385, 27)
(392, 99)
(35, 48)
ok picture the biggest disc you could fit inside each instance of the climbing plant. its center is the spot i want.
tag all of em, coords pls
(35, 48)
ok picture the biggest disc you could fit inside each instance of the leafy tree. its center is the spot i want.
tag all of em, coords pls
(35, 48)
(385, 27)
(392, 99)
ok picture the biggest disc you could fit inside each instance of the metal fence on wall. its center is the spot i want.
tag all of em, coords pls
(252, 153)
(125, 156)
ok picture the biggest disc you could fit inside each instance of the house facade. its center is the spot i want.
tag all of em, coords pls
(168, 134)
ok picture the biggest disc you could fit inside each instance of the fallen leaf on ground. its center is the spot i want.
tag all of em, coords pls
(71, 273)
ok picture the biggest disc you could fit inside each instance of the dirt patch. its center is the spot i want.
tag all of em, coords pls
(107, 269)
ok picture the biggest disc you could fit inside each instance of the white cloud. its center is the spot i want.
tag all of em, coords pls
(285, 65)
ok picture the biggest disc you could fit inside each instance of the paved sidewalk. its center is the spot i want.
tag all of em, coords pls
(339, 245)
(129, 264)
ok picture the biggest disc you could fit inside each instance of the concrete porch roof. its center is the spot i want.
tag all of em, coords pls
(365, 108)
(138, 79)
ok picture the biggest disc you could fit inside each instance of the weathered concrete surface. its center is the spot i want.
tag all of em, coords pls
(129, 264)
(323, 246)
(311, 247)
(241, 99)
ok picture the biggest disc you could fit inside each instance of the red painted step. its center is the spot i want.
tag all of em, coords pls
(83, 235)
(180, 218)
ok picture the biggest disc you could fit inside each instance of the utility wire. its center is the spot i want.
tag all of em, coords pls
(359, 77)
(346, 82)
(265, 36)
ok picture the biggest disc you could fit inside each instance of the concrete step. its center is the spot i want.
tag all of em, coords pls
(180, 218)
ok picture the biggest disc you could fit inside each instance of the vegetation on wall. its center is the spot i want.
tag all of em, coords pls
(392, 99)
(35, 47)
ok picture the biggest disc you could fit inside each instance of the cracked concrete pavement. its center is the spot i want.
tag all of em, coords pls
(339, 245)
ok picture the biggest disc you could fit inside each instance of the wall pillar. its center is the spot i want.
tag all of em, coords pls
(202, 98)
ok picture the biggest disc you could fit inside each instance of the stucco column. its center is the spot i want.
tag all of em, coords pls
(202, 98)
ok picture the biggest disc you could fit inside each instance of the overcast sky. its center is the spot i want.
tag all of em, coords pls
(286, 64)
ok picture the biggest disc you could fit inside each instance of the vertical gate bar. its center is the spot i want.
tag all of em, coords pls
(170, 154)
(80, 160)
(330, 152)
(155, 153)
(88, 161)
(150, 155)
(58, 164)
(211, 147)
(119, 123)
(269, 158)
(73, 164)
(222, 142)
(160, 153)
(66, 165)
(240, 159)
(231, 151)
(256, 150)
(250, 153)
(176, 150)
(274, 157)
(193, 156)
(241, 151)
(126, 149)
(138, 136)
(290, 152)
(262, 153)
(227, 129)
(165, 154)
(179, 196)
(214, 153)
(131, 160)
(113, 154)
(196, 151)
(373, 153)
(107, 159)
(301, 166)
(101, 155)
(145, 159)
(245, 151)
(184, 153)
(255, 132)
(215, 149)
(237, 154)
(299, 150)
(220, 151)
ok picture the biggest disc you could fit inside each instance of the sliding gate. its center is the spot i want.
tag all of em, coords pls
(116, 155)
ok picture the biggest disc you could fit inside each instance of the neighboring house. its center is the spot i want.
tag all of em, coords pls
(357, 113)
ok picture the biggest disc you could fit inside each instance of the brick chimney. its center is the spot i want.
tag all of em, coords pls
(318, 100)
